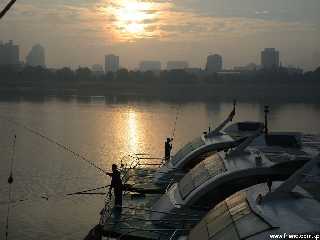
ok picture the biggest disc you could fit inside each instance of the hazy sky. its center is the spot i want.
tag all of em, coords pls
(78, 32)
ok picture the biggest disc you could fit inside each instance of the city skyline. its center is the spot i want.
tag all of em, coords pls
(166, 31)
(269, 58)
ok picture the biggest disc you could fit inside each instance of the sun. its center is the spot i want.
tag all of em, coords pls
(132, 17)
(135, 28)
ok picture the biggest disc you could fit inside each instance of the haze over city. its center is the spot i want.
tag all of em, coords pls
(81, 32)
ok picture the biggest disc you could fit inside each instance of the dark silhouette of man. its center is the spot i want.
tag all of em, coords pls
(116, 184)
(167, 149)
(269, 184)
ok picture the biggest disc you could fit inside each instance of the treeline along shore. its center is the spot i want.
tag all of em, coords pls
(275, 84)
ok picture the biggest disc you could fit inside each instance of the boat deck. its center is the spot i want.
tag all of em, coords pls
(132, 220)
(140, 180)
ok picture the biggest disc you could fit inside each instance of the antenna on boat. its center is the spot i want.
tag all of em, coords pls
(266, 112)
(10, 181)
(6, 8)
(234, 107)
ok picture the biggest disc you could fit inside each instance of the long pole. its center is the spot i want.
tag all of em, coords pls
(10, 181)
(6, 8)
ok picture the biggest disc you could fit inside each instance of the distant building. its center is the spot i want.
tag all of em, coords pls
(97, 69)
(270, 58)
(172, 65)
(198, 72)
(247, 68)
(36, 56)
(111, 63)
(154, 66)
(214, 63)
(9, 53)
(292, 70)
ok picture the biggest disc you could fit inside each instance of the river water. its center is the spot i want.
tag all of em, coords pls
(104, 131)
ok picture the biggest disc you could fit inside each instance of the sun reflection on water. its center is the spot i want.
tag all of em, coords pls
(133, 131)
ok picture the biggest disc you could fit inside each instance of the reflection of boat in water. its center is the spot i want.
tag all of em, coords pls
(217, 177)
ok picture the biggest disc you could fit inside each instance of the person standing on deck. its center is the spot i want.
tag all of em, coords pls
(116, 184)
(167, 149)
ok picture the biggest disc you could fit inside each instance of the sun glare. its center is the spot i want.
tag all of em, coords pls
(131, 17)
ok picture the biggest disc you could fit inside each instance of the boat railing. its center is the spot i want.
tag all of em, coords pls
(106, 212)
(138, 160)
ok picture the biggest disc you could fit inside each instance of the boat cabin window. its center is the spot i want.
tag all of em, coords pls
(249, 126)
(287, 141)
(230, 219)
(208, 168)
(188, 148)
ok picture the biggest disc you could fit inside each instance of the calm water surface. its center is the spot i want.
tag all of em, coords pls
(103, 132)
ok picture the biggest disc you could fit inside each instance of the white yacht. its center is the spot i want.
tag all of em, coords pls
(214, 179)
(268, 158)
(221, 138)
(290, 210)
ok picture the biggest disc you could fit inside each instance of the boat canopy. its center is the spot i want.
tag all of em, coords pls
(211, 167)
(188, 148)
(203, 188)
(231, 219)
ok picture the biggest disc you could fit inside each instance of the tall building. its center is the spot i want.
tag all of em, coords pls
(36, 56)
(9, 53)
(269, 58)
(111, 63)
(214, 63)
(171, 65)
(150, 66)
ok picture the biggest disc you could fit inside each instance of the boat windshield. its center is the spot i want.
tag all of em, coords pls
(230, 219)
(249, 126)
(282, 140)
(188, 148)
(208, 168)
